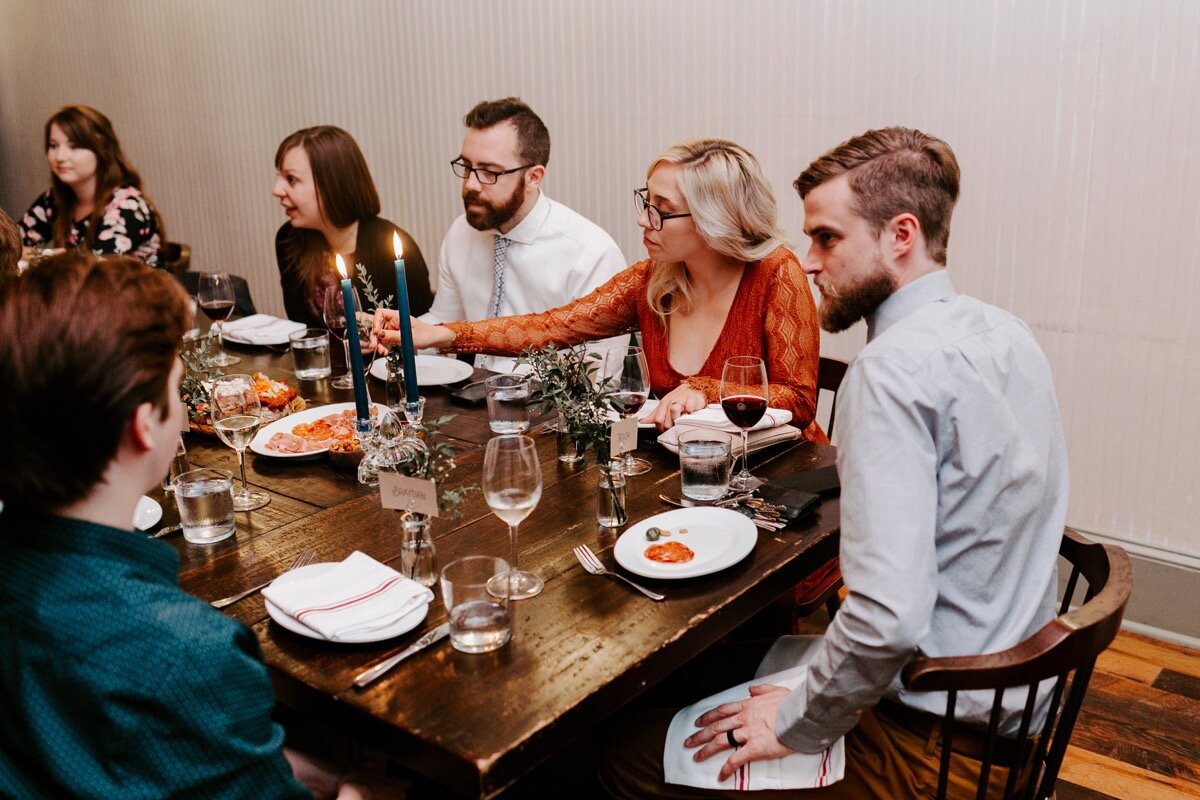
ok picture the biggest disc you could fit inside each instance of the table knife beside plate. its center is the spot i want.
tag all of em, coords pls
(369, 675)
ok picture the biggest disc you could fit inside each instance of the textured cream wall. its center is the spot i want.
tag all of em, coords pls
(1076, 123)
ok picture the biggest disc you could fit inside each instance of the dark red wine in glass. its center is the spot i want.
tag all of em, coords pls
(217, 310)
(215, 296)
(631, 402)
(744, 410)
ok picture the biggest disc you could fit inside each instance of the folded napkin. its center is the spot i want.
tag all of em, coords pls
(757, 440)
(713, 416)
(357, 596)
(262, 329)
(796, 771)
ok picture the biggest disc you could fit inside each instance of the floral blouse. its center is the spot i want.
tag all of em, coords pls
(128, 227)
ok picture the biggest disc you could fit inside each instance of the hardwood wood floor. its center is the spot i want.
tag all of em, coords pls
(1138, 735)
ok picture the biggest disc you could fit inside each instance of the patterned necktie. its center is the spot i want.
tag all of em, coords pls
(499, 254)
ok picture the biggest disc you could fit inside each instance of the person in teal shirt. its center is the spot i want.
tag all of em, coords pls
(113, 681)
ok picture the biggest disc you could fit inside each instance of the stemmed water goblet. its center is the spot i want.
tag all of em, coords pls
(512, 486)
(235, 410)
(629, 385)
(335, 320)
(744, 396)
(215, 296)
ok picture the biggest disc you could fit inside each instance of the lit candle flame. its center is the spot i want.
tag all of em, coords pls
(397, 246)
(341, 265)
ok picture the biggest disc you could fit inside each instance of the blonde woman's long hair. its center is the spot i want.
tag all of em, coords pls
(731, 204)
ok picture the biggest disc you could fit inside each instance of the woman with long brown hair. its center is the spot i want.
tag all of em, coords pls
(95, 201)
(332, 205)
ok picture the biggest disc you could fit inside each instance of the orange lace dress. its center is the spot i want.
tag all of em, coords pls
(772, 316)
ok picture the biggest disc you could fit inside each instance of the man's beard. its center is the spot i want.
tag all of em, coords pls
(841, 308)
(492, 217)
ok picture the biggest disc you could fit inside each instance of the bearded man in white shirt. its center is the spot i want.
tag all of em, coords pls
(514, 250)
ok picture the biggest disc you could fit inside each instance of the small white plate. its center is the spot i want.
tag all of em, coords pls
(147, 514)
(285, 425)
(402, 625)
(267, 331)
(719, 537)
(431, 370)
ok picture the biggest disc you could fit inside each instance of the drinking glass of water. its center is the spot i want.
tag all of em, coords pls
(704, 461)
(507, 399)
(234, 407)
(205, 500)
(479, 621)
(512, 486)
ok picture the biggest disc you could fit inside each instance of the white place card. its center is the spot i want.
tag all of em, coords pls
(623, 435)
(403, 493)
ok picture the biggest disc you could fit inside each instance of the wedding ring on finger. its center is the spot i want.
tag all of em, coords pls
(734, 743)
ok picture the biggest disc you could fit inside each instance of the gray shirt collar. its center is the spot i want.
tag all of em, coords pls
(926, 289)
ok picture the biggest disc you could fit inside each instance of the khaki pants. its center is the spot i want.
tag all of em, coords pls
(883, 762)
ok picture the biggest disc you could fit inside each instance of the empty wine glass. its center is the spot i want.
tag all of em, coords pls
(215, 296)
(234, 407)
(629, 384)
(744, 396)
(335, 320)
(512, 486)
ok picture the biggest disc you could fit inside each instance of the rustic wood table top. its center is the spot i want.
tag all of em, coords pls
(580, 650)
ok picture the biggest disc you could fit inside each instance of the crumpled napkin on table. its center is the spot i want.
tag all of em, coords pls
(357, 596)
(262, 329)
(796, 771)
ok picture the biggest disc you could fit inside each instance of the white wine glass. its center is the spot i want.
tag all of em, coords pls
(215, 296)
(744, 396)
(234, 408)
(629, 385)
(512, 486)
(335, 319)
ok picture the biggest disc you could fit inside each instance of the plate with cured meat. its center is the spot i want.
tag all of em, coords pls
(686, 543)
(311, 432)
(278, 399)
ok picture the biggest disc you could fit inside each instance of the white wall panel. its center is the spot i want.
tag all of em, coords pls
(1076, 124)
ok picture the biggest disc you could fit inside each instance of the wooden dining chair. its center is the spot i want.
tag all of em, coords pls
(1064, 650)
(822, 587)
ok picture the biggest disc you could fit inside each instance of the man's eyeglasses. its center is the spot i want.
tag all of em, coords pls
(655, 217)
(485, 176)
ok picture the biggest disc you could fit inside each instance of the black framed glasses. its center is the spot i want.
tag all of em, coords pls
(485, 176)
(656, 217)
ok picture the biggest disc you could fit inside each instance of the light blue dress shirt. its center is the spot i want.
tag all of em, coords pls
(953, 469)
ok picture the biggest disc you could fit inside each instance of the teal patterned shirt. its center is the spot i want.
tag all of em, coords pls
(115, 683)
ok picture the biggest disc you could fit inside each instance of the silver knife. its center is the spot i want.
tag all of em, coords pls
(369, 675)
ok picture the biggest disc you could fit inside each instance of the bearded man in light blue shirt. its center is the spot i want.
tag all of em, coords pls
(954, 486)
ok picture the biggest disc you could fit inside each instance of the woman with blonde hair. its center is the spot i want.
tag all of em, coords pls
(326, 190)
(719, 283)
(95, 201)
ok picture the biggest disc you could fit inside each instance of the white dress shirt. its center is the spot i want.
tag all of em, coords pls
(555, 255)
(953, 470)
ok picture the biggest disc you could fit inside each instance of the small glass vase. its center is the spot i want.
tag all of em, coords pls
(571, 449)
(393, 387)
(418, 557)
(610, 495)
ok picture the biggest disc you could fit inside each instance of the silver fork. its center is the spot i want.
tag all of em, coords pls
(301, 560)
(592, 564)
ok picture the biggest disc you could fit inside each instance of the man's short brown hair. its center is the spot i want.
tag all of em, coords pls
(83, 342)
(894, 171)
(10, 246)
(533, 139)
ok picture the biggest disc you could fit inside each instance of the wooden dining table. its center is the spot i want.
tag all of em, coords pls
(583, 648)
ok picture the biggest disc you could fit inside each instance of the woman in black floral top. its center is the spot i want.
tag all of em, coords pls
(95, 200)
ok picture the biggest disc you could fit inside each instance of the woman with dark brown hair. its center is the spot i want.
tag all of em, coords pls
(95, 201)
(326, 190)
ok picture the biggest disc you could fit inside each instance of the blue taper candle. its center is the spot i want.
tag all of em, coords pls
(361, 404)
(404, 312)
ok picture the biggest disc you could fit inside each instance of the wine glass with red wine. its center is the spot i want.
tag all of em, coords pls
(629, 385)
(215, 297)
(335, 319)
(744, 398)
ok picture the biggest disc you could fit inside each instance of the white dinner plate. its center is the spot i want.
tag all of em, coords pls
(719, 537)
(147, 514)
(402, 625)
(285, 425)
(431, 370)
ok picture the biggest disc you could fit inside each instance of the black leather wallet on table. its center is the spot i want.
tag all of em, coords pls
(473, 394)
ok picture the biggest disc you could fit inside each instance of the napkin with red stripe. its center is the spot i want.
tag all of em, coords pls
(354, 597)
(795, 771)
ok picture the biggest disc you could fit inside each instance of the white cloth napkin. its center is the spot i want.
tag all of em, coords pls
(713, 416)
(757, 440)
(796, 771)
(356, 596)
(262, 329)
